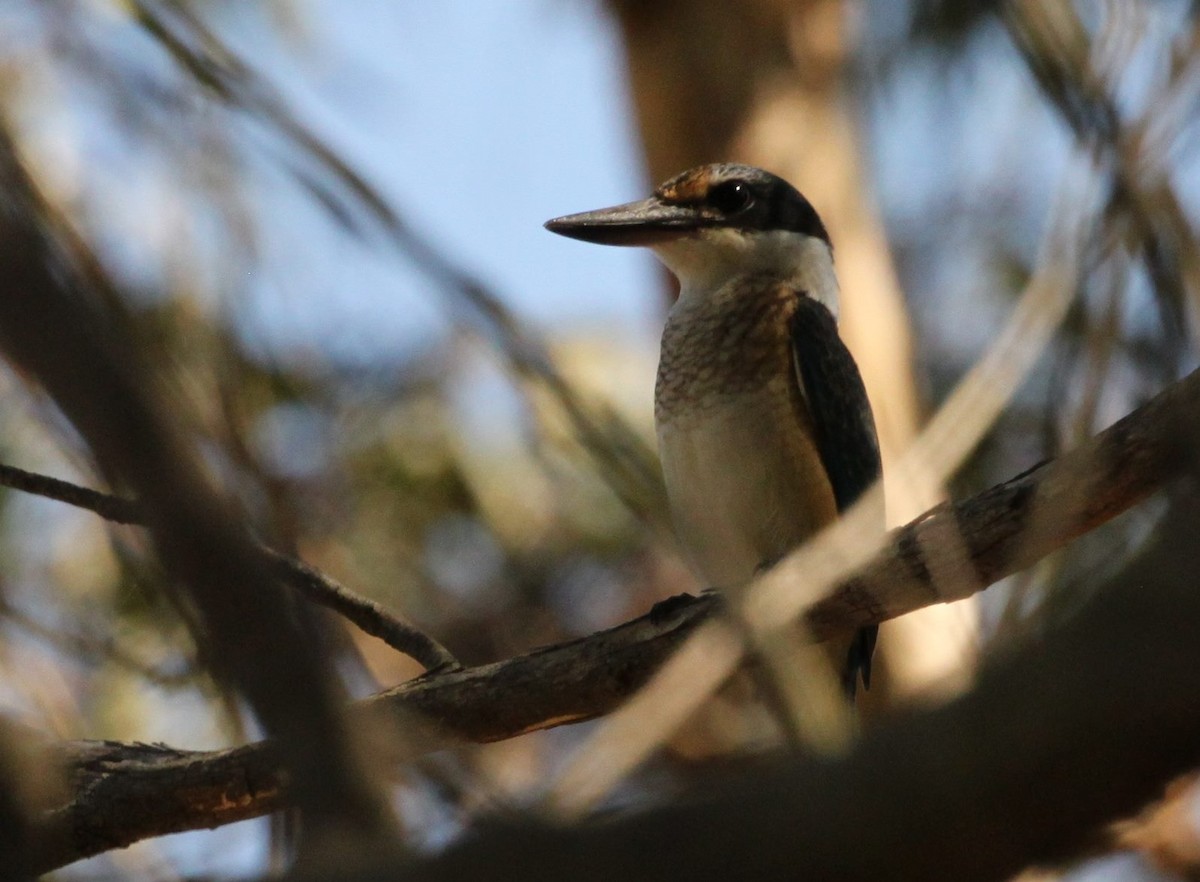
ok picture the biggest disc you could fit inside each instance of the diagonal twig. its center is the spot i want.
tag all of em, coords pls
(365, 613)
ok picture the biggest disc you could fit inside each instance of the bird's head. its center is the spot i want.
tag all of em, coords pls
(716, 223)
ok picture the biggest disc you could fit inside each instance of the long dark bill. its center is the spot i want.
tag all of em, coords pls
(647, 222)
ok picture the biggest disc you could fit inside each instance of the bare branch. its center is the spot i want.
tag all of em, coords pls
(111, 508)
(368, 615)
(364, 612)
(589, 677)
(1064, 498)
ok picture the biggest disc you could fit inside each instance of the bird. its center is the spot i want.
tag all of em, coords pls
(765, 431)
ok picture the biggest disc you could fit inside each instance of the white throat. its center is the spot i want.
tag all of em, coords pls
(711, 259)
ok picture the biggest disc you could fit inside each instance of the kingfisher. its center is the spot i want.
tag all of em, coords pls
(764, 428)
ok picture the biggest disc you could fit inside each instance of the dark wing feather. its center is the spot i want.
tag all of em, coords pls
(845, 433)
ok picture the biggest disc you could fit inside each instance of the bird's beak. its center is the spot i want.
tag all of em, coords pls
(647, 222)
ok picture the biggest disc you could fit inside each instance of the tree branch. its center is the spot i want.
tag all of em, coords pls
(118, 800)
(368, 615)
(1015, 524)
(111, 508)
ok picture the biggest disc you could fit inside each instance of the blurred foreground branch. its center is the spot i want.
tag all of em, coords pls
(52, 328)
(122, 793)
(1066, 63)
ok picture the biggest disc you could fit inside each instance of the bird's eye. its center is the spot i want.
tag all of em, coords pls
(729, 197)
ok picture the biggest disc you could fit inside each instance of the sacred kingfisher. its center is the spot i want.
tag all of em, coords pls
(764, 427)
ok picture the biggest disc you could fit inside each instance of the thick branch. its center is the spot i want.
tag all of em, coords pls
(1072, 732)
(972, 544)
(1003, 530)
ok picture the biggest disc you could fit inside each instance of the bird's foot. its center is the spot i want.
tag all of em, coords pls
(665, 610)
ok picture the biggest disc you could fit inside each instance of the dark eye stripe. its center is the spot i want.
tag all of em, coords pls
(771, 203)
(788, 210)
(730, 197)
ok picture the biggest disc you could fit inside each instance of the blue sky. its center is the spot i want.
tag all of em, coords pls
(480, 121)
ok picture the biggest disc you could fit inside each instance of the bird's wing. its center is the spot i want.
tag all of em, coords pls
(845, 432)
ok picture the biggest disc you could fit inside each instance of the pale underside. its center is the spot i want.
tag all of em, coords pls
(746, 485)
(744, 477)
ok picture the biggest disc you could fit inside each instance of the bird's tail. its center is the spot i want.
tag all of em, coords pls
(858, 660)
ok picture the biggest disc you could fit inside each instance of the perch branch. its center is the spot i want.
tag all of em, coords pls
(1071, 733)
